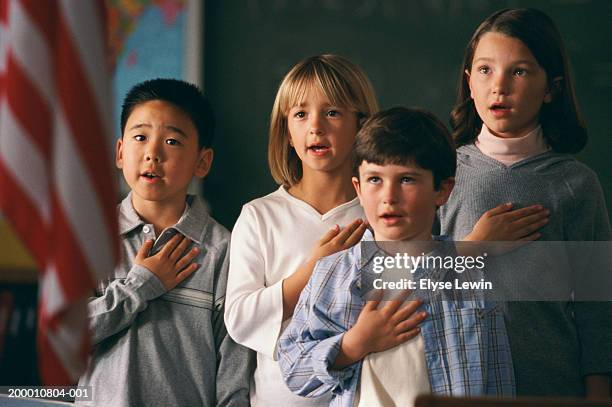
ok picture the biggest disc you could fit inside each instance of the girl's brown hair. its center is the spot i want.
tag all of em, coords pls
(341, 81)
(561, 121)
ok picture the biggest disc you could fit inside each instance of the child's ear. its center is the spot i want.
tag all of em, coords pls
(469, 82)
(554, 90)
(119, 153)
(444, 191)
(357, 187)
(204, 163)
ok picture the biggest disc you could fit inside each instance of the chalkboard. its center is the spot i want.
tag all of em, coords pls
(411, 50)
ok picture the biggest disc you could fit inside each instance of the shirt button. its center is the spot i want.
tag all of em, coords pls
(146, 229)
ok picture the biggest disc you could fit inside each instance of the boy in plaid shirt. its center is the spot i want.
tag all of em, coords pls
(386, 353)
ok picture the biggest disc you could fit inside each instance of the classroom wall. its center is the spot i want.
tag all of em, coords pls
(411, 50)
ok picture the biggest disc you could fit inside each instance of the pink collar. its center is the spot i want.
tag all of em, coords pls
(511, 150)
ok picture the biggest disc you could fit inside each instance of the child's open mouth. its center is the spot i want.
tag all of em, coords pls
(498, 109)
(150, 176)
(390, 219)
(319, 149)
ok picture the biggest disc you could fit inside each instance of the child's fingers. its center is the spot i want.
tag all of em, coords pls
(180, 249)
(523, 212)
(187, 271)
(532, 222)
(410, 323)
(348, 230)
(371, 305)
(499, 209)
(406, 336)
(406, 311)
(171, 245)
(403, 295)
(531, 237)
(329, 235)
(144, 250)
(391, 306)
(530, 229)
(187, 258)
(355, 237)
(374, 299)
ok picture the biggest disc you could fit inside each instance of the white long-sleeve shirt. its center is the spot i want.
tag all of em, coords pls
(272, 238)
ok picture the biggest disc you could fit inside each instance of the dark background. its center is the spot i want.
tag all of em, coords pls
(411, 50)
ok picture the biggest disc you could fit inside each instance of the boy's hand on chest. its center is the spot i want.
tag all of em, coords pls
(173, 263)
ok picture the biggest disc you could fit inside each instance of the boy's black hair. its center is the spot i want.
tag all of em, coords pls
(183, 95)
(404, 136)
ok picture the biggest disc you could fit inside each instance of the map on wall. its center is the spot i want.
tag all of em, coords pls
(147, 40)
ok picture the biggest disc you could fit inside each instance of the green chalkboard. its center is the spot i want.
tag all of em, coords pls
(411, 50)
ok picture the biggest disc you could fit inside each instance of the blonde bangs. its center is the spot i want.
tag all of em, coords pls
(343, 83)
(293, 91)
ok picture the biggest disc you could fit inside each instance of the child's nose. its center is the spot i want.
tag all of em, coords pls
(501, 84)
(389, 194)
(152, 154)
(316, 125)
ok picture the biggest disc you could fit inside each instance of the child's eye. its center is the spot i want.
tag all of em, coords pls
(172, 142)
(299, 115)
(373, 180)
(520, 72)
(407, 180)
(139, 137)
(484, 69)
(333, 113)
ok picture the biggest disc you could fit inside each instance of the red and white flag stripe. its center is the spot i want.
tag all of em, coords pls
(56, 179)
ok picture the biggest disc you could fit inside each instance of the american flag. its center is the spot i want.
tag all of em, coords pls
(57, 185)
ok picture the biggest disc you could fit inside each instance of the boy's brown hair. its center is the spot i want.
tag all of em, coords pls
(405, 136)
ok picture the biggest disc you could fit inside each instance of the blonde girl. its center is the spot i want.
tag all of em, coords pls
(318, 110)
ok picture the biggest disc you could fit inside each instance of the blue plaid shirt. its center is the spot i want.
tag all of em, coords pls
(466, 345)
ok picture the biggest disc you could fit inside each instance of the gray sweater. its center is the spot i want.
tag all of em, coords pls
(554, 344)
(154, 347)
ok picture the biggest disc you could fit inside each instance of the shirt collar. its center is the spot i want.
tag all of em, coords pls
(511, 150)
(195, 217)
(190, 224)
(128, 218)
(365, 250)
